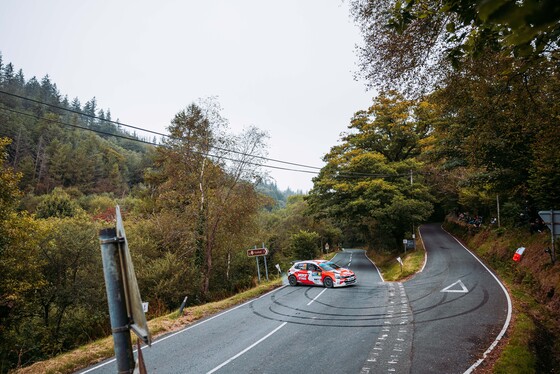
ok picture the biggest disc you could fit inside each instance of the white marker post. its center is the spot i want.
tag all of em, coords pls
(400, 262)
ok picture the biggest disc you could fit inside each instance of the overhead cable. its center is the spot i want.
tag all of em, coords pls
(153, 132)
(343, 174)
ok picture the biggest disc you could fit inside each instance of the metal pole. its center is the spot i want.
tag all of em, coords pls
(265, 266)
(116, 299)
(498, 205)
(258, 267)
(553, 249)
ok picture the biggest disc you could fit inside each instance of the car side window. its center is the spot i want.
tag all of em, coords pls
(312, 267)
(301, 266)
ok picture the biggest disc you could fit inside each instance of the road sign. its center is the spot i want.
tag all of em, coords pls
(551, 217)
(134, 305)
(257, 252)
(518, 254)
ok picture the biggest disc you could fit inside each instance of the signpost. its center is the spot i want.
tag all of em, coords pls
(409, 244)
(552, 219)
(256, 252)
(126, 310)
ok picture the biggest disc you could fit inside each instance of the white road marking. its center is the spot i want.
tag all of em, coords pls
(425, 251)
(376, 268)
(508, 318)
(460, 283)
(246, 349)
(188, 328)
(316, 297)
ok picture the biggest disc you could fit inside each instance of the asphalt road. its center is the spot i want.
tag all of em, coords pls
(429, 324)
(459, 307)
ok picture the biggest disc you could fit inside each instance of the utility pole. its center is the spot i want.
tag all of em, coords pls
(413, 233)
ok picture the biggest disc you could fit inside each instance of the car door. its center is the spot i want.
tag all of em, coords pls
(314, 274)
(302, 274)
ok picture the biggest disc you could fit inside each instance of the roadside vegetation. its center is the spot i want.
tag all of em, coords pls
(103, 348)
(392, 270)
(466, 119)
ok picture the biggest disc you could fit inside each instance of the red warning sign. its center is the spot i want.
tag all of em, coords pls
(518, 254)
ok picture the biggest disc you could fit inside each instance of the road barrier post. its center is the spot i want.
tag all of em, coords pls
(183, 305)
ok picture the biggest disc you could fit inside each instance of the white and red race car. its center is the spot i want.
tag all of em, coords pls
(321, 273)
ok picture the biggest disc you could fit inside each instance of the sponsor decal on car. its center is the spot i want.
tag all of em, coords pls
(320, 272)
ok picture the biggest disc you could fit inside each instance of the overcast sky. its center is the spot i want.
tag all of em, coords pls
(285, 67)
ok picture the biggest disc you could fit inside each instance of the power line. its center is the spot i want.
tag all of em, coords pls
(76, 126)
(154, 144)
(152, 132)
(344, 174)
(81, 113)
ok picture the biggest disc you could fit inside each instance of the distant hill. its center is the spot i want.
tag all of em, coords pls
(61, 143)
(281, 197)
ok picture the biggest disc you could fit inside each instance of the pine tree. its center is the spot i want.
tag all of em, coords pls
(76, 105)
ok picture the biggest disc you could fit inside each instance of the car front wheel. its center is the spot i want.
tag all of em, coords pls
(328, 282)
(293, 280)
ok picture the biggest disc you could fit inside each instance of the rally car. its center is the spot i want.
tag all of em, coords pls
(320, 272)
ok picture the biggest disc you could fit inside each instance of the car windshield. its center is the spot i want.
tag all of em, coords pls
(329, 266)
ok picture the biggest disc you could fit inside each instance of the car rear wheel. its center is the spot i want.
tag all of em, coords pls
(328, 282)
(293, 280)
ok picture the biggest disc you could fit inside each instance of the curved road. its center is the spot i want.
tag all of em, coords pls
(441, 321)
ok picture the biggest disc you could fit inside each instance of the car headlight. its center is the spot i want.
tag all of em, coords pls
(337, 276)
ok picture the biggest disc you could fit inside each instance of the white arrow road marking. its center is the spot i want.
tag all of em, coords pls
(246, 349)
(463, 288)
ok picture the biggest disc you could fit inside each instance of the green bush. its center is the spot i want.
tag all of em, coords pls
(57, 204)
(305, 245)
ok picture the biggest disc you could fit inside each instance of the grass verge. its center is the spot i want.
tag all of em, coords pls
(392, 270)
(102, 349)
(517, 356)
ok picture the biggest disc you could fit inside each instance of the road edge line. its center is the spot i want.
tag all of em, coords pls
(375, 266)
(508, 318)
(425, 250)
(165, 337)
